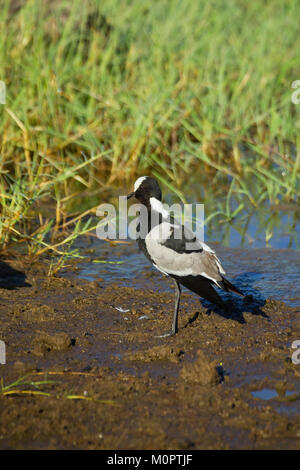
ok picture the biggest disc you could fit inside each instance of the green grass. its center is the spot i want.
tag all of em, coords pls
(25, 386)
(100, 92)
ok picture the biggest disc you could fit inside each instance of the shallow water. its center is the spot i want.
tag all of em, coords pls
(265, 228)
(269, 394)
(262, 272)
(268, 225)
(260, 251)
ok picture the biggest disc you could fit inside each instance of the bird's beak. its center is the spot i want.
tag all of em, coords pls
(130, 195)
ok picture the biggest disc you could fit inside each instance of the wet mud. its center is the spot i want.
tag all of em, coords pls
(94, 375)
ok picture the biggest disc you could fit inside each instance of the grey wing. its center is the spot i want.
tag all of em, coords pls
(202, 261)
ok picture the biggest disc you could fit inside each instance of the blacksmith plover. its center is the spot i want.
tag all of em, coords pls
(194, 266)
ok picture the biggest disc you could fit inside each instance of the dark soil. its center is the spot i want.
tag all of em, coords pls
(110, 383)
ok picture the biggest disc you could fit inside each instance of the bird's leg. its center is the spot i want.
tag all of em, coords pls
(174, 329)
(176, 310)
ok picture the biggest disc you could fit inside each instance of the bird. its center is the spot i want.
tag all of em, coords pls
(195, 267)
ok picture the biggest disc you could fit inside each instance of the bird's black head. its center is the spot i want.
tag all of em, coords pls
(146, 187)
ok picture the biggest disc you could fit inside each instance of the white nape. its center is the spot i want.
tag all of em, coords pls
(157, 206)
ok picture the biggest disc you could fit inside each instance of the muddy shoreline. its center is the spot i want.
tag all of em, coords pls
(109, 383)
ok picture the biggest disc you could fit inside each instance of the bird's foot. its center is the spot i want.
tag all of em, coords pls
(171, 332)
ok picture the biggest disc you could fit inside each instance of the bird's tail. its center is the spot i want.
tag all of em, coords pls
(202, 287)
(227, 286)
